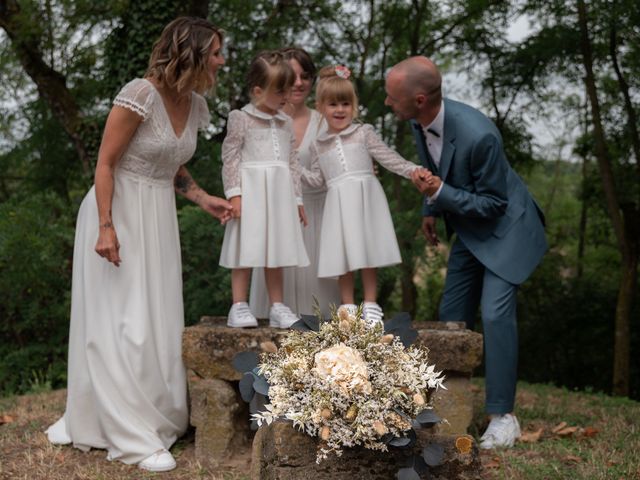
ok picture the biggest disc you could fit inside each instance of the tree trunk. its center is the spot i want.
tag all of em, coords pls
(621, 346)
(50, 83)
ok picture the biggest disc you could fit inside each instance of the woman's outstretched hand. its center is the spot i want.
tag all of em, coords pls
(218, 207)
(108, 246)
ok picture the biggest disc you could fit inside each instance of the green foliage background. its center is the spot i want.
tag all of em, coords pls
(566, 310)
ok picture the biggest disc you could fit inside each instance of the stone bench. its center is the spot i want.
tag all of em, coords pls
(221, 418)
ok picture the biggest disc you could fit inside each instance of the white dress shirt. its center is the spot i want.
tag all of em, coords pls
(434, 143)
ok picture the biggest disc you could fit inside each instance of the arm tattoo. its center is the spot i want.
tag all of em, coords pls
(183, 183)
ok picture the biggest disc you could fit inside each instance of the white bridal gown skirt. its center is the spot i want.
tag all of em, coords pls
(357, 230)
(301, 284)
(126, 382)
(269, 233)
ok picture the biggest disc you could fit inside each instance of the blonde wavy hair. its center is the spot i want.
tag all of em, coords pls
(333, 88)
(180, 57)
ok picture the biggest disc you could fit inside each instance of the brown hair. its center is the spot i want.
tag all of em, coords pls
(270, 71)
(333, 88)
(301, 56)
(180, 57)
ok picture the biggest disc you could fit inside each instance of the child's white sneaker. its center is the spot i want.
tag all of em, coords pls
(161, 461)
(372, 314)
(281, 316)
(57, 433)
(240, 316)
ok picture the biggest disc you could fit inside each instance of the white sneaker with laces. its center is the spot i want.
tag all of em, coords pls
(240, 316)
(372, 314)
(57, 433)
(161, 461)
(503, 431)
(281, 316)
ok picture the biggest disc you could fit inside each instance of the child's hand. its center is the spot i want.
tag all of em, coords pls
(236, 203)
(302, 215)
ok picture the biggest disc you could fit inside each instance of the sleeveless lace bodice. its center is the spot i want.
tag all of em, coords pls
(155, 152)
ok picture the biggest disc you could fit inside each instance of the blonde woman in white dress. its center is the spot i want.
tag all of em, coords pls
(126, 381)
(261, 177)
(302, 284)
(357, 229)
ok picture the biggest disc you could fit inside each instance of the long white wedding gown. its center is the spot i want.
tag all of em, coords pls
(126, 380)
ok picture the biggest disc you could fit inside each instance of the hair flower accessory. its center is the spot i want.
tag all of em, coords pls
(343, 72)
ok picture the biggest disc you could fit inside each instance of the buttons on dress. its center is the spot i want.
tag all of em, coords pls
(274, 138)
(341, 156)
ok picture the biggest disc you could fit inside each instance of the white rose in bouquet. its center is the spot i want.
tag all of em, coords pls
(345, 366)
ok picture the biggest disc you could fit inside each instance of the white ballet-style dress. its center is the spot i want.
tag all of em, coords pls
(260, 164)
(302, 284)
(126, 380)
(357, 229)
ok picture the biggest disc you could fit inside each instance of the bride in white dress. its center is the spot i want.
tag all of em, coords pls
(126, 381)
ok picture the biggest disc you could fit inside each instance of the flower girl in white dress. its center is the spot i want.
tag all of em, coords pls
(261, 177)
(357, 230)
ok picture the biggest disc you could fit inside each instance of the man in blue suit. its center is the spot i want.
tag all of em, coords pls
(499, 228)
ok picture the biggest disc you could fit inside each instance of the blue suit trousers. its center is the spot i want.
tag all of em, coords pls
(469, 284)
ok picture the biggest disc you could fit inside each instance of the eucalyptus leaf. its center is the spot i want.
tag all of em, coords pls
(246, 386)
(433, 454)
(428, 417)
(261, 385)
(400, 320)
(312, 322)
(419, 465)
(245, 361)
(404, 442)
(407, 473)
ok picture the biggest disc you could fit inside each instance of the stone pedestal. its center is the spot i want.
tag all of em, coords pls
(282, 453)
(222, 420)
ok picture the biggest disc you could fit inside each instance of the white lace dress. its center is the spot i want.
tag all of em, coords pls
(301, 284)
(357, 229)
(126, 380)
(260, 164)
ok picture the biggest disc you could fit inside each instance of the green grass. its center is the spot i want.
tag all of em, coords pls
(611, 453)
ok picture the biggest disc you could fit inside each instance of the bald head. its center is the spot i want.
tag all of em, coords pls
(419, 75)
(414, 89)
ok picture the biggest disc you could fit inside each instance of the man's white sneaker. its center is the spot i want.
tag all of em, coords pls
(281, 316)
(503, 431)
(240, 316)
(161, 461)
(372, 314)
(57, 433)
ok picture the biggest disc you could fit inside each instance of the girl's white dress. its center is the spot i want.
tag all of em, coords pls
(126, 380)
(260, 164)
(301, 284)
(357, 230)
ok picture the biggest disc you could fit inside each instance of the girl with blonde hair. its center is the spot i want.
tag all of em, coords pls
(126, 381)
(357, 230)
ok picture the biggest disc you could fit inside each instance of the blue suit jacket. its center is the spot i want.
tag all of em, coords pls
(483, 200)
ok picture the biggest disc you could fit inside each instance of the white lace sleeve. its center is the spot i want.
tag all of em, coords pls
(294, 164)
(385, 155)
(231, 153)
(313, 175)
(137, 96)
(204, 117)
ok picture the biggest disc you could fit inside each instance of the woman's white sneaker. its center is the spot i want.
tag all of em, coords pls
(57, 433)
(161, 461)
(240, 316)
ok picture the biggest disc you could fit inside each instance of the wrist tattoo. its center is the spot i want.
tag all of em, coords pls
(106, 225)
